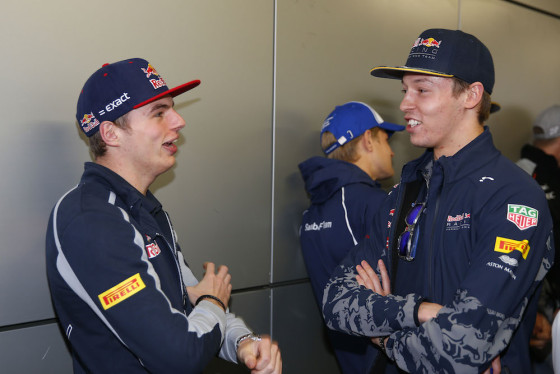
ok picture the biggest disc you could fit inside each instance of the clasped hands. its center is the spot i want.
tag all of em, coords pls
(368, 278)
(260, 356)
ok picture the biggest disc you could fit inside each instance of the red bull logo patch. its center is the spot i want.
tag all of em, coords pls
(505, 245)
(89, 122)
(522, 216)
(153, 250)
(430, 42)
(121, 291)
(156, 83)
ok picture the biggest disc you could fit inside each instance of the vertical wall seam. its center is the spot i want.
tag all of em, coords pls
(459, 15)
(273, 160)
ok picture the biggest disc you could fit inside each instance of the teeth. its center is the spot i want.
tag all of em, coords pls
(413, 122)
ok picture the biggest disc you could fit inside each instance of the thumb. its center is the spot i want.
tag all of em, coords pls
(250, 360)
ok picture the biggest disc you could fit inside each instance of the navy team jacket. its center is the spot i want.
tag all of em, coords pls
(344, 200)
(117, 279)
(485, 246)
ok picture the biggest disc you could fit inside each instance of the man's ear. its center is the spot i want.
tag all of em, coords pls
(475, 93)
(109, 133)
(368, 140)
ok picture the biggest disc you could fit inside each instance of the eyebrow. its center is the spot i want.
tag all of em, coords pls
(419, 80)
(159, 106)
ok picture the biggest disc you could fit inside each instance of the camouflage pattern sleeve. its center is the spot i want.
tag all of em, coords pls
(507, 266)
(451, 343)
(353, 309)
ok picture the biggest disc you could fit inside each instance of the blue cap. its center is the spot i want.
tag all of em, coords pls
(446, 53)
(116, 89)
(350, 120)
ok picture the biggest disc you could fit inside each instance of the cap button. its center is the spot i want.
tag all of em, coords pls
(106, 64)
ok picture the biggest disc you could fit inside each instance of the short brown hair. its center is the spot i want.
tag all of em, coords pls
(97, 146)
(347, 152)
(460, 86)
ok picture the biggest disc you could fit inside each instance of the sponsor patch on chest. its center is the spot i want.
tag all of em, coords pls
(522, 216)
(458, 221)
(152, 248)
(317, 226)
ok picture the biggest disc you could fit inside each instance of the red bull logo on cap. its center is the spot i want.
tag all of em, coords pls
(88, 122)
(156, 83)
(430, 42)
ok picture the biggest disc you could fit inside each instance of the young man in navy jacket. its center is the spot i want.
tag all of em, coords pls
(465, 228)
(345, 195)
(122, 291)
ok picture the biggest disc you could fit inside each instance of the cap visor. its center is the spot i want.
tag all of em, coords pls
(397, 72)
(391, 126)
(172, 92)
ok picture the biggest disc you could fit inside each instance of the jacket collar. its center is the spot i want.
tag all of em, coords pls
(471, 157)
(129, 195)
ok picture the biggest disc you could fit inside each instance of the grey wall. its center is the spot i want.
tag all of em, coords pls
(270, 72)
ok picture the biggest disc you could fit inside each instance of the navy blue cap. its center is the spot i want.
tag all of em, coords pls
(116, 89)
(350, 120)
(446, 53)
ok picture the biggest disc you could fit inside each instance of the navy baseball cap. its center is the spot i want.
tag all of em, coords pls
(350, 120)
(116, 89)
(446, 53)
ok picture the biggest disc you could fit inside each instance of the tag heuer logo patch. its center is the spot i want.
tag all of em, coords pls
(522, 216)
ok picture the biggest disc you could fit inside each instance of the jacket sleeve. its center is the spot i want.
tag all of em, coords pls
(513, 250)
(235, 326)
(355, 310)
(97, 266)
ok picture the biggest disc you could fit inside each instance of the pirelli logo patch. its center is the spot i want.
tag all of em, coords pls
(121, 291)
(505, 245)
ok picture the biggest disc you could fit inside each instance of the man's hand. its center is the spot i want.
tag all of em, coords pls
(368, 278)
(215, 284)
(542, 332)
(495, 368)
(260, 356)
(427, 311)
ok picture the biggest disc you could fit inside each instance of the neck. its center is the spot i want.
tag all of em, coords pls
(136, 180)
(464, 135)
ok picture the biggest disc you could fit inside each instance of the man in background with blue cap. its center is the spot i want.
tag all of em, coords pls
(122, 290)
(466, 234)
(345, 196)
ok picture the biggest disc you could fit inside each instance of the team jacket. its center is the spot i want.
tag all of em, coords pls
(344, 200)
(485, 245)
(544, 169)
(117, 278)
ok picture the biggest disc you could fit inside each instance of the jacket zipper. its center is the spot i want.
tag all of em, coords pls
(173, 248)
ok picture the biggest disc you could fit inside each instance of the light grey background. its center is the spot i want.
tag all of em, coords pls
(271, 71)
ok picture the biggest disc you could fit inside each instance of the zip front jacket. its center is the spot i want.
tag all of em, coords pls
(485, 244)
(118, 284)
(344, 200)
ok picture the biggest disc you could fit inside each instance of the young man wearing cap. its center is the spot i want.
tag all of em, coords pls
(541, 160)
(344, 195)
(465, 228)
(122, 291)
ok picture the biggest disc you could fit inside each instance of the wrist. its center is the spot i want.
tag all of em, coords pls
(213, 299)
(381, 341)
(251, 336)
